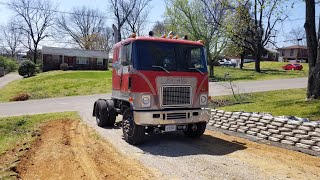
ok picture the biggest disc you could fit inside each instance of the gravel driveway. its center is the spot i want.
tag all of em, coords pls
(174, 156)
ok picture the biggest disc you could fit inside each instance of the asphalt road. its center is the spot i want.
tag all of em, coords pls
(224, 88)
(81, 103)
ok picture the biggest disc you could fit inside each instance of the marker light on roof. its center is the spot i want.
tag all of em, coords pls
(164, 36)
(133, 35)
(176, 37)
(170, 36)
(201, 41)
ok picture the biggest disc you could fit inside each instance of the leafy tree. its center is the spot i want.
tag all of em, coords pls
(254, 29)
(192, 18)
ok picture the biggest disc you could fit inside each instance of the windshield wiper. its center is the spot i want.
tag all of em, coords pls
(161, 68)
(197, 70)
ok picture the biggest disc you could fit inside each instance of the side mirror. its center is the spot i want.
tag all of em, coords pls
(116, 65)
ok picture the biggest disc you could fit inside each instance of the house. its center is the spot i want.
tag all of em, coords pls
(271, 55)
(77, 59)
(296, 52)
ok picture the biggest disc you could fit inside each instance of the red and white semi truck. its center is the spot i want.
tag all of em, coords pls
(158, 85)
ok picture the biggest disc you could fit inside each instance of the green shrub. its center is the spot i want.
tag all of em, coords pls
(64, 66)
(8, 64)
(11, 65)
(3, 62)
(27, 69)
(38, 68)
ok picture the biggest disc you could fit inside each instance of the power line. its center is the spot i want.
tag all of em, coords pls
(57, 11)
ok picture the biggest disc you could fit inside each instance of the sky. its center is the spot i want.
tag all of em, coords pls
(296, 14)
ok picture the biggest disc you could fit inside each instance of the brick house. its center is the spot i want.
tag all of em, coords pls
(77, 59)
(296, 52)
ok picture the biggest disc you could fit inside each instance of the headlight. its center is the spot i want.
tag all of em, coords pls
(203, 99)
(145, 101)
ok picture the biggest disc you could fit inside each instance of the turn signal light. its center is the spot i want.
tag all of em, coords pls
(164, 36)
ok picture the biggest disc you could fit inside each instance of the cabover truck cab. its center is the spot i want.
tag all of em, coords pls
(158, 85)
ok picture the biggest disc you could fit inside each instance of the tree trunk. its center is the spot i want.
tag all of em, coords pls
(258, 58)
(35, 55)
(313, 89)
(211, 70)
(241, 60)
(257, 64)
(119, 35)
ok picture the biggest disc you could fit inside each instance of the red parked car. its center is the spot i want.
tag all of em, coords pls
(292, 67)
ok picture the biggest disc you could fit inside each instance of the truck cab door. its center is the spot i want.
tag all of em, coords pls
(126, 63)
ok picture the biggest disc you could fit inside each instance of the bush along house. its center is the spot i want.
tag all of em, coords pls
(74, 59)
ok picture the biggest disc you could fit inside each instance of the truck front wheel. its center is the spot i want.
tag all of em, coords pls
(133, 133)
(195, 130)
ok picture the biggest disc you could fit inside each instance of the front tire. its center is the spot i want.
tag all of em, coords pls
(201, 127)
(133, 133)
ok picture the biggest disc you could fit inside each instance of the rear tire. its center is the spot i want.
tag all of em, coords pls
(201, 127)
(133, 133)
(105, 113)
(101, 113)
(111, 113)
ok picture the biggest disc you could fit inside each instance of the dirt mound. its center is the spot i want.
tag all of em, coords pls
(68, 149)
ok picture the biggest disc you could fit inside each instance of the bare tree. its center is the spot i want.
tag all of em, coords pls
(121, 10)
(313, 90)
(104, 41)
(12, 37)
(159, 28)
(36, 17)
(297, 36)
(138, 16)
(86, 27)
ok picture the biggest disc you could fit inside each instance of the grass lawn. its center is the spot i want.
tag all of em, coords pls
(59, 84)
(270, 70)
(284, 102)
(20, 129)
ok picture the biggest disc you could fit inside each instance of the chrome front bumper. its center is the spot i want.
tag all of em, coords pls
(171, 117)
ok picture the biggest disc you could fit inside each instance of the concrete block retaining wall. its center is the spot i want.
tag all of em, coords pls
(301, 134)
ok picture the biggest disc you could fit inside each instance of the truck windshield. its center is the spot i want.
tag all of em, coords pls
(158, 56)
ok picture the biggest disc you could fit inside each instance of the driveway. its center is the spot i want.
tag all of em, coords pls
(173, 156)
(9, 78)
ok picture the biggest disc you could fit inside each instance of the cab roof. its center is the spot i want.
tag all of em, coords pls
(159, 39)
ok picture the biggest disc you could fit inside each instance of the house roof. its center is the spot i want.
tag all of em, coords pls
(74, 52)
(295, 47)
(272, 50)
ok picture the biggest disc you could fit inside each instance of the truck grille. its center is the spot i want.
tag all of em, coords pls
(176, 96)
(176, 116)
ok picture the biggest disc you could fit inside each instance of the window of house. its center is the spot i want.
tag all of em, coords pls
(291, 52)
(99, 61)
(283, 52)
(82, 60)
